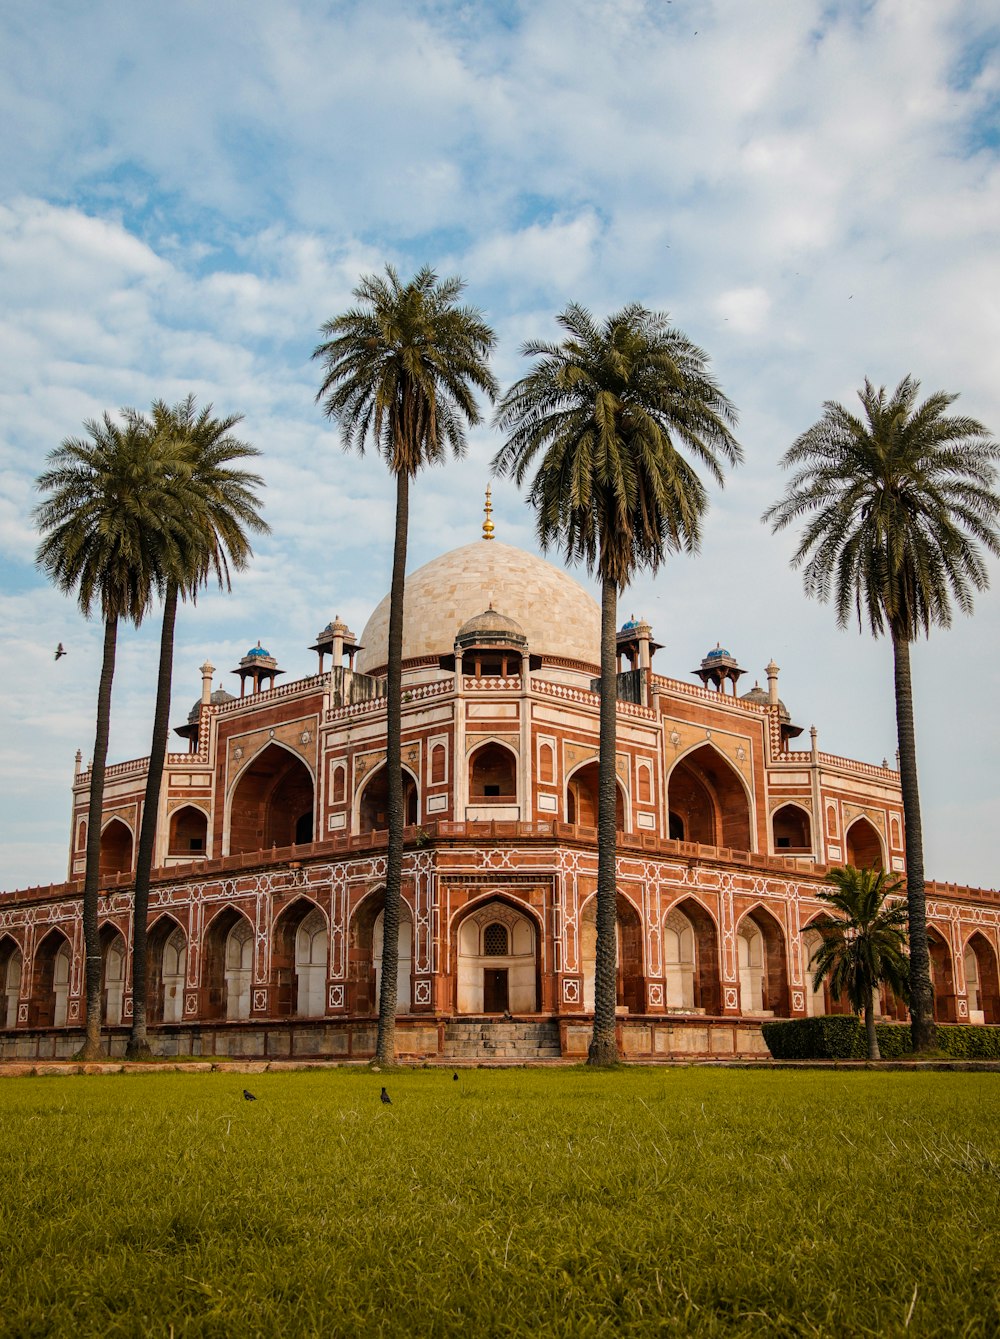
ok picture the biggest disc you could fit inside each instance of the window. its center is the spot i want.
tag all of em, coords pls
(495, 941)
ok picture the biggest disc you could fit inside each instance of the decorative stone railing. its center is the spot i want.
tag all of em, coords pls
(802, 758)
(373, 705)
(312, 684)
(492, 683)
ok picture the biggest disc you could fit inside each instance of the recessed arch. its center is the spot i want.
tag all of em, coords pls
(116, 848)
(227, 967)
(690, 940)
(300, 952)
(942, 976)
(791, 830)
(271, 802)
(492, 773)
(864, 845)
(51, 980)
(188, 832)
(11, 967)
(113, 965)
(364, 954)
(372, 805)
(763, 966)
(708, 800)
(981, 984)
(582, 797)
(166, 957)
(630, 981)
(495, 949)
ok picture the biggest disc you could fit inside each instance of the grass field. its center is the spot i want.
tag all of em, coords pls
(528, 1202)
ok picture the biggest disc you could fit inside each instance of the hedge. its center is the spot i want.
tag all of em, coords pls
(842, 1037)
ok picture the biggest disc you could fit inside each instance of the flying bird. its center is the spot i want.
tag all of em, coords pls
(248, 1096)
(60, 651)
(386, 1099)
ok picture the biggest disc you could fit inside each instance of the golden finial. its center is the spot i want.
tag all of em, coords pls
(488, 523)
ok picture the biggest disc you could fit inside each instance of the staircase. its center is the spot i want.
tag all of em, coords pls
(519, 1041)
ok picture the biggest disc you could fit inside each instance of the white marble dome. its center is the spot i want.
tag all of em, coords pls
(558, 616)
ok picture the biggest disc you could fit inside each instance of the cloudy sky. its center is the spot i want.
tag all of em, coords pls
(189, 190)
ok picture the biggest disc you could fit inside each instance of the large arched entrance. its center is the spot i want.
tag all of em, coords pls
(762, 965)
(228, 966)
(691, 960)
(299, 960)
(167, 958)
(864, 846)
(373, 812)
(630, 983)
(272, 804)
(51, 981)
(112, 975)
(365, 944)
(11, 964)
(582, 798)
(116, 849)
(942, 977)
(981, 984)
(707, 802)
(497, 955)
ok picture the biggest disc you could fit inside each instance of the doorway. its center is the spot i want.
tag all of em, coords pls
(495, 993)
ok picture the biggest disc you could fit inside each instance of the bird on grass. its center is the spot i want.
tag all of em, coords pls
(385, 1099)
(60, 651)
(248, 1096)
(455, 1078)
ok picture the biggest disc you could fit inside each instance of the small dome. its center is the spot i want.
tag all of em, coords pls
(760, 696)
(257, 650)
(490, 628)
(218, 699)
(720, 653)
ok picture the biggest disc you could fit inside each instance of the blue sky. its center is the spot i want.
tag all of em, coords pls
(189, 190)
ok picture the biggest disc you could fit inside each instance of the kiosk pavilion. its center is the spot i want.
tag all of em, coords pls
(265, 917)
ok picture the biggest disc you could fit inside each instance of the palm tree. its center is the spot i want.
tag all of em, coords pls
(612, 410)
(220, 505)
(401, 369)
(865, 945)
(900, 504)
(109, 528)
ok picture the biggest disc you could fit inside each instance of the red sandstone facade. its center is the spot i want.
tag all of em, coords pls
(265, 926)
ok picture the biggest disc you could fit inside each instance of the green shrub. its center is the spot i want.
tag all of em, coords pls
(842, 1037)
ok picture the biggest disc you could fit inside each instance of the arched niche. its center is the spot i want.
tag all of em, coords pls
(373, 808)
(492, 775)
(791, 830)
(763, 967)
(864, 845)
(112, 975)
(116, 848)
(981, 984)
(496, 946)
(51, 981)
(166, 946)
(630, 983)
(691, 959)
(582, 795)
(364, 955)
(227, 970)
(11, 966)
(272, 803)
(300, 951)
(707, 801)
(942, 977)
(816, 1001)
(188, 836)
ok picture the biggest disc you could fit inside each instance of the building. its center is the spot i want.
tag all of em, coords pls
(266, 906)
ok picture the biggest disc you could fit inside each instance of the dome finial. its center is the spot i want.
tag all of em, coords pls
(488, 523)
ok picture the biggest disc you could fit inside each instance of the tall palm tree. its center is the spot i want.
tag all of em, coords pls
(401, 370)
(614, 411)
(865, 945)
(110, 527)
(220, 505)
(900, 503)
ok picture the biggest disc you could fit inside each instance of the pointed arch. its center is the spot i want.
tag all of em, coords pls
(116, 848)
(300, 955)
(495, 949)
(693, 981)
(865, 848)
(227, 967)
(763, 964)
(11, 967)
(166, 957)
(581, 797)
(708, 800)
(113, 965)
(364, 954)
(492, 773)
(981, 979)
(371, 806)
(791, 830)
(50, 985)
(630, 980)
(271, 801)
(188, 832)
(942, 976)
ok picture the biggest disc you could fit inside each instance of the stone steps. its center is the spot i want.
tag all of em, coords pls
(485, 1039)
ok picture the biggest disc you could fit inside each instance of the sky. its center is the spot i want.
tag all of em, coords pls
(189, 190)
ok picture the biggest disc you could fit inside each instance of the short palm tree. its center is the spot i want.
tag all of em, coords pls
(617, 413)
(900, 503)
(221, 509)
(109, 527)
(865, 945)
(401, 370)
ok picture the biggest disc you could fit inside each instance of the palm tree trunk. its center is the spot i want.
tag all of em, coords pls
(138, 1045)
(91, 1049)
(872, 1035)
(603, 1045)
(922, 1029)
(385, 1043)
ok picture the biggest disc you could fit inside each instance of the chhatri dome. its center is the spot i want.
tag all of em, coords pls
(556, 615)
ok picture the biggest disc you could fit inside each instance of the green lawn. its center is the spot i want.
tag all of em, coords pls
(528, 1202)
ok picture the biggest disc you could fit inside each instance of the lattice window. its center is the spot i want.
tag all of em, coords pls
(495, 941)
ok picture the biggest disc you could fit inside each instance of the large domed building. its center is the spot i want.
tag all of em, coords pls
(265, 918)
